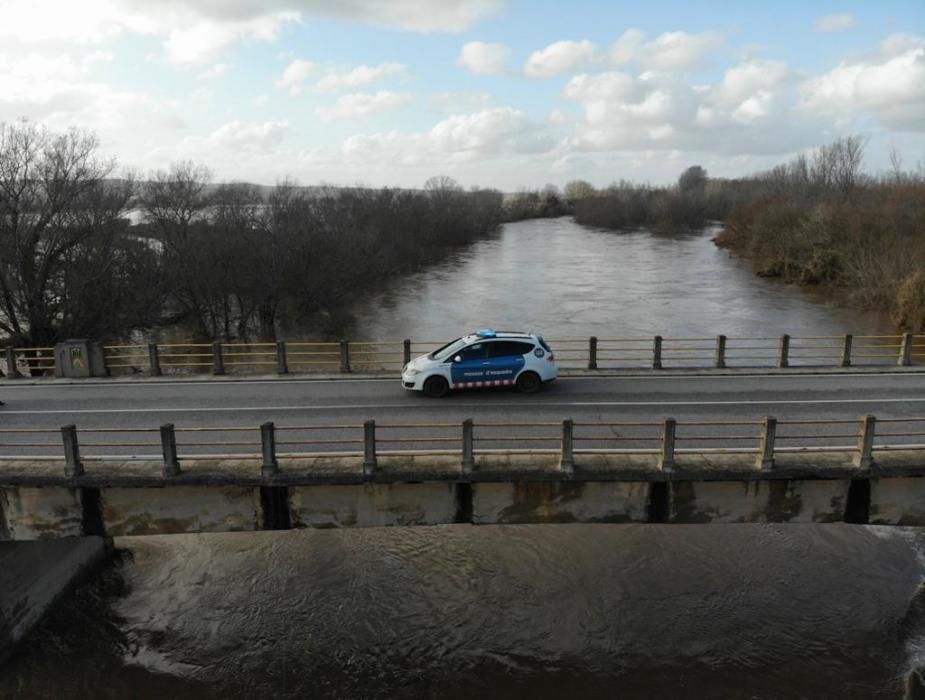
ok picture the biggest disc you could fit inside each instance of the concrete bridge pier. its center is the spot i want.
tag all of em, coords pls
(35, 575)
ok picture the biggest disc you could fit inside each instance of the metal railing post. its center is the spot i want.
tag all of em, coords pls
(270, 464)
(720, 358)
(344, 356)
(169, 449)
(218, 361)
(567, 460)
(657, 352)
(666, 459)
(12, 372)
(468, 451)
(864, 457)
(846, 350)
(783, 351)
(905, 351)
(592, 352)
(72, 464)
(369, 447)
(154, 360)
(766, 443)
(406, 351)
(282, 363)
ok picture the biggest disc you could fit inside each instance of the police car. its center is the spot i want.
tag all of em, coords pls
(482, 359)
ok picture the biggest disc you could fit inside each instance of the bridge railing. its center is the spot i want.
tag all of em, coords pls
(661, 444)
(592, 353)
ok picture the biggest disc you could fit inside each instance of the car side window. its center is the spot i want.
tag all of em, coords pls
(476, 351)
(508, 348)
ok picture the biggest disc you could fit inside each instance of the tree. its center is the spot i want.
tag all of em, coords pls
(693, 181)
(577, 189)
(59, 219)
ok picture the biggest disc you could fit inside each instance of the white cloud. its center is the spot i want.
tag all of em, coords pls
(484, 135)
(890, 85)
(202, 41)
(834, 23)
(360, 76)
(295, 75)
(668, 51)
(454, 102)
(249, 136)
(215, 72)
(360, 105)
(560, 58)
(557, 117)
(482, 58)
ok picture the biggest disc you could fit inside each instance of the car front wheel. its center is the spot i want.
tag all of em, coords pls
(528, 383)
(435, 387)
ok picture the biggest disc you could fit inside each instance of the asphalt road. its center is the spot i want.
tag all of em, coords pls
(290, 402)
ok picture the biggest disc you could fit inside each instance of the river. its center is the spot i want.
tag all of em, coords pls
(597, 611)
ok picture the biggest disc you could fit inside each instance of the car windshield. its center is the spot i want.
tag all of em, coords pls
(447, 350)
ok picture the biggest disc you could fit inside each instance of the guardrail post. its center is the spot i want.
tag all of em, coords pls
(905, 351)
(406, 351)
(766, 443)
(369, 447)
(592, 352)
(657, 352)
(344, 356)
(846, 350)
(11, 370)
(282, 364)
(270, 464)
(567, 461)
(218, 361)
(169, 449)
(783, 351)
(666, 460)
(154, 360)
(468, 451)
(864, 457)
(720, 359)
(72, 464)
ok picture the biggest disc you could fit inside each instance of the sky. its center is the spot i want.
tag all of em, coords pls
(508, 94)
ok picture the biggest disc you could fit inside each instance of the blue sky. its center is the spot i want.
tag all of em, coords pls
(497, 93)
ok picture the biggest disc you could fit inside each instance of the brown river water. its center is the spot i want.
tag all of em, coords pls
(596, 611)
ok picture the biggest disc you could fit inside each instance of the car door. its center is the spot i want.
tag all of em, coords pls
(472, 365)
(505, 360)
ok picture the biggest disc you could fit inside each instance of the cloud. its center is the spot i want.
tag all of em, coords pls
(258, 137)
(484, 135)
(560, 58)
(215, 72)
(295, 75)
(451, 102)
(890, 85)
(668, 51)
(482, 58)
(834, 23)
(360, 76)
(360, 105)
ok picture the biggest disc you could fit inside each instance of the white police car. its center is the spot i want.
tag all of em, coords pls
(481, 359)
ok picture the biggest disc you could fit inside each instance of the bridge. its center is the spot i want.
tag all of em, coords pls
(127, 456)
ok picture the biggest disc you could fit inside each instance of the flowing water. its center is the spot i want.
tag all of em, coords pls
(597, 611)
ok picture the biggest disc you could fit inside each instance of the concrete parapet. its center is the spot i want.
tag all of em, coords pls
(373, 505)
(772, 501)
(28, 513)
(897, 501)
(560, 502)
(176, 509)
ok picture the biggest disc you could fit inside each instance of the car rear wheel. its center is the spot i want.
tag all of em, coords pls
(435, 387)
(529, 383)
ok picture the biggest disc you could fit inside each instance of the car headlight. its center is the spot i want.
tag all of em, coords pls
(412, 372)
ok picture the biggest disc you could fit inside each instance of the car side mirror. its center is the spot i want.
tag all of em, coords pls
(458, 358)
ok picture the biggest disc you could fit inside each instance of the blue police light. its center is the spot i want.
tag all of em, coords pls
(486, 333)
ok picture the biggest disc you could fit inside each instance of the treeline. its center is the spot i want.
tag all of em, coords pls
(228, 261)
(818, 220)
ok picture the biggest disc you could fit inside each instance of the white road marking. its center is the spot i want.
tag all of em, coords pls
(449, 405)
